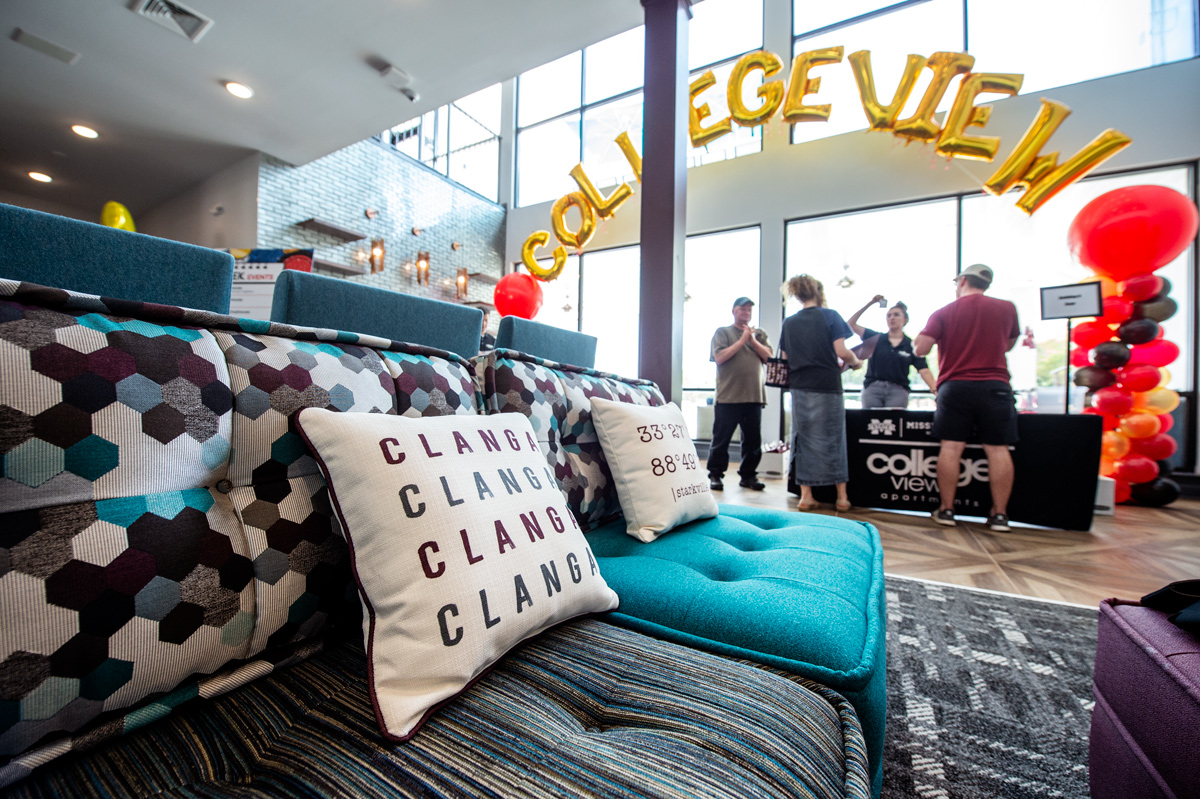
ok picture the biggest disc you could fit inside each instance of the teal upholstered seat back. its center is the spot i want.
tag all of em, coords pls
(544, 341)
(315, 301)
(66, 253)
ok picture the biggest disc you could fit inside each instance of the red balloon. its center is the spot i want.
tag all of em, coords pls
(1133, 230)
(1116, 310)
(1167, 421)
(1157, 447)
(1081, 356)
(1113, 400)
(1121, 492)
(1159, 352)
(518, 294)
(1108, 421)
(1136, 469)
(1140, 288)
(1090, 334)
(1139, 376)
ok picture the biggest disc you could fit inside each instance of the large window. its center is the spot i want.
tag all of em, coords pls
(718, 268)
(460, 140)
(912, 253)
(907, 253)
(570, 110)
(1030, 252)
(1051, 42)
(611, 288)
(923, 28)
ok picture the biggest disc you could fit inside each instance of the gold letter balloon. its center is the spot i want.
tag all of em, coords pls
(1041, 176)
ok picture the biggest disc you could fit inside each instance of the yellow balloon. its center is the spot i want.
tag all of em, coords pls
(699, 135)
(539, 238)
(953, 141)
(1166, 376)
(576, 239)
(1156, 400)
(116, 215)
(794, 110)
(605, 206)
(880, 117)
(771, 93)
(946, 66)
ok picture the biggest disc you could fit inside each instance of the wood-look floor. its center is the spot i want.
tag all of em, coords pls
(1127, 555)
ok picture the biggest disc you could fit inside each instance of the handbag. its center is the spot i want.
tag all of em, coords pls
(777, 372)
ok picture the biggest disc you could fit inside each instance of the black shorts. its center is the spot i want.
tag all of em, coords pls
(976, 410)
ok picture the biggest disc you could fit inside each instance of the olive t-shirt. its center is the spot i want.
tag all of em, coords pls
(740, 379)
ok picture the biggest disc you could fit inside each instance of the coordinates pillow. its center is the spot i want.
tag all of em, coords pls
(653, 462)
(461, 543)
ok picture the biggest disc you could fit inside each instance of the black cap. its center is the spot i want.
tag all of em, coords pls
(740, 301)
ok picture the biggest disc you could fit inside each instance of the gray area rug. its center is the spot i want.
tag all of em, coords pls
(989, 695)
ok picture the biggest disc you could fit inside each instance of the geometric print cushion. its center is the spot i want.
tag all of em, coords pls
(95, 407)
(557, 400)
(105, 603)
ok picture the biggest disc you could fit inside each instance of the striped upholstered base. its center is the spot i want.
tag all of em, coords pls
(586, 709)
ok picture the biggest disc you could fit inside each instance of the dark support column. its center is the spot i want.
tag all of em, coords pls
(664, 194)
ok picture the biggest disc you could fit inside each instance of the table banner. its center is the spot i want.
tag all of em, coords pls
(893, 465)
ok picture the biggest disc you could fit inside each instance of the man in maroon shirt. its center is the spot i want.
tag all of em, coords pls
(973, 333)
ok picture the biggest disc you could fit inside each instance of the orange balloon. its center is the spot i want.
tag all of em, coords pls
(1139, 424)
(1114, 445)
(1108, 467)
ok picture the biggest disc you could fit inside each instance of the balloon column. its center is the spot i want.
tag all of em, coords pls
(1124, 236)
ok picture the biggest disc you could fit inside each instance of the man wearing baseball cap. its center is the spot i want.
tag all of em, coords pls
(740, 352)
(974, 396)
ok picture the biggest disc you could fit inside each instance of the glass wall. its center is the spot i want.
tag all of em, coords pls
(611, 312)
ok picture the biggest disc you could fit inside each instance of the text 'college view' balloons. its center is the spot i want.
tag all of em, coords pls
(1124, 236)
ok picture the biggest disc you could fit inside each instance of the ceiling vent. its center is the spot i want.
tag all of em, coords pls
(174, 16)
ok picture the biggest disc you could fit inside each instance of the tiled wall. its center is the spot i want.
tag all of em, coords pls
(339, 189)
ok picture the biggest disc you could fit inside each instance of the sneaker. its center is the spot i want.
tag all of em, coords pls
(715, 484)
(944, 516)
(752, 484)
(998, 523)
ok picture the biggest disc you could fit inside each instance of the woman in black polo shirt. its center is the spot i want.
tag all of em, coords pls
(886, 381)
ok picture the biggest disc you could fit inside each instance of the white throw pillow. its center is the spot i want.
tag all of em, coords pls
(653, 462)
(461, 543)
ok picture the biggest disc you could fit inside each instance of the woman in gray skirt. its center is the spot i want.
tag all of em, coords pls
(813, 340)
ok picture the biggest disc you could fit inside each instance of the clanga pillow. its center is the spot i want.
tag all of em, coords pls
(654, 465)
(461, 543)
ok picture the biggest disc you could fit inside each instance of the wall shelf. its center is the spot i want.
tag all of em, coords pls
(330, 229)
(484, 278)
(341, 268)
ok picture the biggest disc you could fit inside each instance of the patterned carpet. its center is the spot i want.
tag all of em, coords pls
(989, 695)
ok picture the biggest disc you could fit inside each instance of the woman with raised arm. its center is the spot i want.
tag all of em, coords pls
(813, 339)
(886, 382)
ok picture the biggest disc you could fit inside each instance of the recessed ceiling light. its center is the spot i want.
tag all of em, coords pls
(239, 90)
(40, 177)
(85, 131)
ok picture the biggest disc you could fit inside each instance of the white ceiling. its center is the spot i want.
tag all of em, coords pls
(166, 122)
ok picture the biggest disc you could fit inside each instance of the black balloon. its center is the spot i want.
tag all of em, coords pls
(1159, 310)
(1158, 492)
(1110, 355)
(1138, 331)
(1093, 377)
(1165, 468)
(1162, 292)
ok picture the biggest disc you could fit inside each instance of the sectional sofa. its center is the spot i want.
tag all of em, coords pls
(178, 613)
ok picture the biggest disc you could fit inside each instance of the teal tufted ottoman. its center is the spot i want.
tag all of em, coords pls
(799, 592)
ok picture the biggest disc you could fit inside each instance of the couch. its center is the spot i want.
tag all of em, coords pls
(177, 614)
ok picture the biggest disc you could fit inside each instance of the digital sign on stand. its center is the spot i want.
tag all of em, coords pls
(1068, 302)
